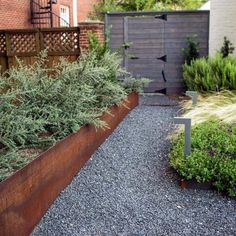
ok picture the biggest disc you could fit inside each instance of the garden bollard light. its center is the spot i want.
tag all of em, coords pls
(193, 95)
(187, 123)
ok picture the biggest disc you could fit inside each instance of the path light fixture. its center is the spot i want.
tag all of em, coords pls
(187, 130)
(193, 95)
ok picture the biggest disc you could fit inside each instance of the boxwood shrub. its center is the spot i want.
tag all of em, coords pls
(213, 156)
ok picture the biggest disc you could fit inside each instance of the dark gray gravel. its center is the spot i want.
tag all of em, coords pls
(128, 188)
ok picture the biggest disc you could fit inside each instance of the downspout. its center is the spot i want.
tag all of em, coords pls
(75, 13)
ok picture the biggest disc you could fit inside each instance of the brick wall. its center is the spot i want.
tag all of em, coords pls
(222, 23)
(67, 3)
(15, 14)
(86, 27)
(84, 8)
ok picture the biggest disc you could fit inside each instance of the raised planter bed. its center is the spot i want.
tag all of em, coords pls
(28, 193)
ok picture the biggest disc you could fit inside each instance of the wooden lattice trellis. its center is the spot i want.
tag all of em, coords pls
(21, 43)
(25, 42)
(28, 43)
(3, 48)
(61, 41)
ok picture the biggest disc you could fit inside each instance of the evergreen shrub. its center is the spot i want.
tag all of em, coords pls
(211, 74)
(213, 156)
(39, 106)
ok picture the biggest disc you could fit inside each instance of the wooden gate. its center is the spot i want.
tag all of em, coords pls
(145, 52)
(152, 43)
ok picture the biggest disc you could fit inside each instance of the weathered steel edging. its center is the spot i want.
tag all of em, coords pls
(27, 194)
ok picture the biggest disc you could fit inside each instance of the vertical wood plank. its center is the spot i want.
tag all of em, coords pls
(3, 64)
(147, 40)
(41, 43)
(37, 40)
(8, 52)
(126, 41)
(8, 44)
(3, 53)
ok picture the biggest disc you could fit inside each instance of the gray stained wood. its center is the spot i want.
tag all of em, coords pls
(149, 38)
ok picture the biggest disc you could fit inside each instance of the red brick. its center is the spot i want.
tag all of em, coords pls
(15, 14)
(85, 28)
(84, 8)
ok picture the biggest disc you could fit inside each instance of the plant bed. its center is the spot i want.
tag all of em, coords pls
(212, 160)
(27, 194)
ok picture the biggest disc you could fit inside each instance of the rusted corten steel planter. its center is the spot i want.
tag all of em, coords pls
(26, 195)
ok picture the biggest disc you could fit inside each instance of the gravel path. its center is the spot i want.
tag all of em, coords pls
(128, 188)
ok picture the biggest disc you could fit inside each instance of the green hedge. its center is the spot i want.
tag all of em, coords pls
(142, 5)
(213, 156)
(211, 74)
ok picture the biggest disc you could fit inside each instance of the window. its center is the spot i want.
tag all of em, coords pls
(65, 16)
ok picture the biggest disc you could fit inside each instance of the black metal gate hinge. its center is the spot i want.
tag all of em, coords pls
(164, 76)
(162, 17)
(133, 57)
(162, 58)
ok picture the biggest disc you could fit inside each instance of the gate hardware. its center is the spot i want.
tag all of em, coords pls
(127, 45)
(162, 17)
(163, 75)
(163, 58)
(134, 57)
(163, 91)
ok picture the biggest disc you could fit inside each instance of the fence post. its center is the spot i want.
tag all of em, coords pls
(41, 43)
(37, 40)
(3, 52)
(8, 50)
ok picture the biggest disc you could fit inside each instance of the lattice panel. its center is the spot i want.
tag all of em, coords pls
(3, 48)
(22, 43)
(67, 41)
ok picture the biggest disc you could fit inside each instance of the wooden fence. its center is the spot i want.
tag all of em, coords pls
(26, 44)
(152, 43)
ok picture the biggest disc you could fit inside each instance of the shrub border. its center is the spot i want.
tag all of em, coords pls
(28, 193)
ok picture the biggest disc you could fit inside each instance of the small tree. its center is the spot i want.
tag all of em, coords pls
(191, 52)
(227, 48)
(100, 48)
